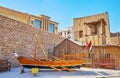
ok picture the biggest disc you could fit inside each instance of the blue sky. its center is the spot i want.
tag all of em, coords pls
(63, 11)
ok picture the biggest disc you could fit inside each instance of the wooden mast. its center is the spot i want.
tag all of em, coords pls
(39, 43)
(35, 53)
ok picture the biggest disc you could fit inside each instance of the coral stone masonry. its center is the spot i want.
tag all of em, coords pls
(19, 37)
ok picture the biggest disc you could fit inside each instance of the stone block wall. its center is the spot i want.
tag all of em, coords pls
(29, 19)
(23, 17)
(115, 40)
(79, 25)
(19, 37)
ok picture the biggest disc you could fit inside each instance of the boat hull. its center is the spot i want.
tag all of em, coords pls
(47, 67)
(47, 64)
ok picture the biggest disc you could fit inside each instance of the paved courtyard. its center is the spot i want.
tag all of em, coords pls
(79, 73)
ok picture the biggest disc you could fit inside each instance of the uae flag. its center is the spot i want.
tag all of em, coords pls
(89, 46)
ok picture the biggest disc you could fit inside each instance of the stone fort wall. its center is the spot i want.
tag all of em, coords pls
(28, 18)
(19, 37)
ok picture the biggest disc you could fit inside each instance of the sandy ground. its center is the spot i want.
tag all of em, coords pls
(79, 73)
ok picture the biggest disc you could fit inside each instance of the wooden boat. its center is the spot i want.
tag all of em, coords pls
(26, 62)
(46, 63)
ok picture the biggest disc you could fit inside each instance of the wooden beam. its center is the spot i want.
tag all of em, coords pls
(55, 57)
(55, 68)
(35, 53)
(65, 68)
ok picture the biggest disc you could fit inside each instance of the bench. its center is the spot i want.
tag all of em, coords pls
(5, 65)
(105, 63)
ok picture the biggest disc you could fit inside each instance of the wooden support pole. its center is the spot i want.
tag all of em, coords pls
(66, 46)
(55, 68)
(65, 68)
(63, 55)
(35, 53)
